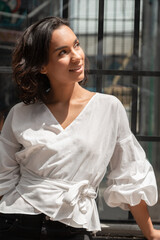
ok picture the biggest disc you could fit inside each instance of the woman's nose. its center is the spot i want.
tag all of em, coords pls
(75, 56)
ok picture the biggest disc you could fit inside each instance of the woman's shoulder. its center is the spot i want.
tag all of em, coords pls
(26, 107)
(23, 110)
(107, 99)
(18, 105)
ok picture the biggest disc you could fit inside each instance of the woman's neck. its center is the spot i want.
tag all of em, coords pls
(64, 94)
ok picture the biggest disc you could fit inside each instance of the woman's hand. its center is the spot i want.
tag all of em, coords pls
(155, 235)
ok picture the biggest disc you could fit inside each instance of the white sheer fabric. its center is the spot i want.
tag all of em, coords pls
(45, 168)
(131, 177)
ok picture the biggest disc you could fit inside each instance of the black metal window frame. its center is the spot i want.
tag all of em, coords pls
(99, 72)
(135, 73)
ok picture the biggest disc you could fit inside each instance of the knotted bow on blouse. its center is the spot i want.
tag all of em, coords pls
(51, 196)
(78, 193)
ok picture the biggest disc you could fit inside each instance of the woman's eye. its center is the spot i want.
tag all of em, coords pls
(77, 44)
(62, 52)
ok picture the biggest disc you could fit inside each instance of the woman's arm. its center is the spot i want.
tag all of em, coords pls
(141, 215)
(9, 145)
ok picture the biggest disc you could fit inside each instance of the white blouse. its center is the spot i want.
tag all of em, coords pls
(47, 169)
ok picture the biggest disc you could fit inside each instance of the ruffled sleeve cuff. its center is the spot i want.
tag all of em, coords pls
(131, 178)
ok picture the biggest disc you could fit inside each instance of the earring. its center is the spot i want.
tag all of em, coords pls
(43, 70)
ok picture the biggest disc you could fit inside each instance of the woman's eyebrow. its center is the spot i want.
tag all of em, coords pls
(59, 48)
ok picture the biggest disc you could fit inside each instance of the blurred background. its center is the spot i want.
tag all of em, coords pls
(121, 41)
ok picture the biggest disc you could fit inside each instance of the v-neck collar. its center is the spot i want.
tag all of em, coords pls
(75, 119)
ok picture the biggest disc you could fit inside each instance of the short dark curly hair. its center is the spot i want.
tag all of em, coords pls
(30, 54)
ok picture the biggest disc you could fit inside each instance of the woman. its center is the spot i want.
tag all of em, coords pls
(57, 143)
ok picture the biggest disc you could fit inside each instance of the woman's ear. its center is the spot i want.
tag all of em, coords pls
(43, 70)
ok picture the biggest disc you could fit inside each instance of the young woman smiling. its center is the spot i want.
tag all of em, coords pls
(56, 145)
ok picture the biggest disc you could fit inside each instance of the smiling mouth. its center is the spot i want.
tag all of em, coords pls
(76, 69)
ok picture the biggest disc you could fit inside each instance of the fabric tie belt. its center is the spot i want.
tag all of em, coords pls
(73, 193)
(78, 193)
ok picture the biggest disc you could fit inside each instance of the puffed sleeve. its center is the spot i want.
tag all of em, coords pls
(9, 168)
(131, 177)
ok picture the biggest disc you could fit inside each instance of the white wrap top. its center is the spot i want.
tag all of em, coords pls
(47, 169)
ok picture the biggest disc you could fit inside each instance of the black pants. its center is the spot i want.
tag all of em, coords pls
(37, 227)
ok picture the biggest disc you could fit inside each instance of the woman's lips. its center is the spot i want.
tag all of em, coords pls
(77, 69)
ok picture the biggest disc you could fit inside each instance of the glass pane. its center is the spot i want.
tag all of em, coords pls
(91, 83)
(150, 36)
(148, 111)
(149, 108)
(121, 87)
(118, 41)
(118, 34)
(83, 17)
(8, 96)
(15, 16)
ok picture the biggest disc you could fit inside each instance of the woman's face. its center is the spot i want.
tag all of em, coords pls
(66, 58)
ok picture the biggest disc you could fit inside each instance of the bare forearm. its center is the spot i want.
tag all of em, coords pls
(142, 217)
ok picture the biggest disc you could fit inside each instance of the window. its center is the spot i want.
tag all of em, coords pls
(121, 41)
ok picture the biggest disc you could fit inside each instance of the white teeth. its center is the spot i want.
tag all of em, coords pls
(75, 69)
